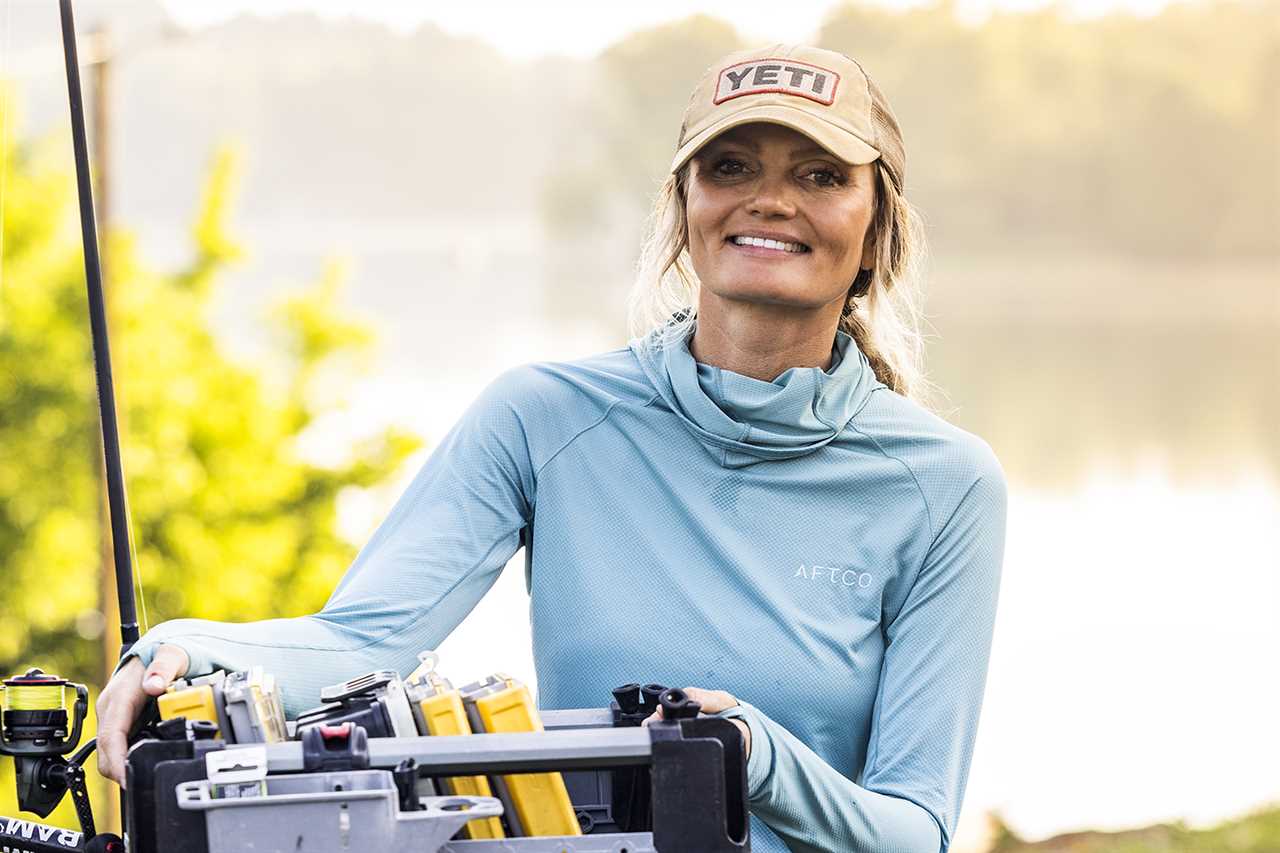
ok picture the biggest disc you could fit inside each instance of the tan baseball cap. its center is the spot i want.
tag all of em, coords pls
(821, 93)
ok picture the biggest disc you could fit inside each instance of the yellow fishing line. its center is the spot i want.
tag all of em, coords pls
(34, 697)
(133, 551)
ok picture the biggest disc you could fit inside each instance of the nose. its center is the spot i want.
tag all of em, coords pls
(773, 198)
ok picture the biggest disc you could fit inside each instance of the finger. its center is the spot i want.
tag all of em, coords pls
(655, 716)
(712, 701)
(110, 752)
(169, 664)
(705, 698)
(103, 709)
(118, 704)
(113, 733)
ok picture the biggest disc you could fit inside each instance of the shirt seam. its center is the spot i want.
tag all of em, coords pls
(959, 503)
(378, 639)
(873, 744)
(928, 511)
(603, 417)
(257, 645)
(933, 541)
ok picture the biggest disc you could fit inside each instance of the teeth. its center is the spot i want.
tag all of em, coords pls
(766, 243)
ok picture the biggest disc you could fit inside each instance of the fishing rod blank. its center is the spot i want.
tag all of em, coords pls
(101, 349)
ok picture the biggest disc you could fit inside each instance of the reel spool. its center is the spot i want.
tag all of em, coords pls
(33, 719)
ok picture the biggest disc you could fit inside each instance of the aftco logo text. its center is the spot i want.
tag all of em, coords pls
(837, 576)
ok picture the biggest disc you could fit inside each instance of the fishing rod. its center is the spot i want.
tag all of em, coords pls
(101, 346)
(37, 729)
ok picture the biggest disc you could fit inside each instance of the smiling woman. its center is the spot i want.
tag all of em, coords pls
(743, 499)
(783, 224)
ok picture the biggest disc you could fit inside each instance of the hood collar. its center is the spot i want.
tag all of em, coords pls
(741, 420)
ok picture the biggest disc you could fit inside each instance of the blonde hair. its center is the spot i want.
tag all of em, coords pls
(885, 323)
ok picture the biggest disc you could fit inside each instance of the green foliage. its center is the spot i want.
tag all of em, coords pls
(595, 202)
(230, 520)
(642, 87)
(648, 76)
(1149, 137)
(1255, 833)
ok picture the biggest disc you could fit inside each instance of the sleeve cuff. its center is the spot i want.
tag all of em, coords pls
(760, 761)
(145, 650)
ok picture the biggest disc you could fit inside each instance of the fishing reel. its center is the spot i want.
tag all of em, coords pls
(38, 731)
(33, 721)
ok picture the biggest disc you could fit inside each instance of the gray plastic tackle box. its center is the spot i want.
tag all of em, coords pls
(329, 812)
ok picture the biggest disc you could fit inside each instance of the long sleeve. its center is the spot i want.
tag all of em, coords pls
(436, 554)
(926, 711)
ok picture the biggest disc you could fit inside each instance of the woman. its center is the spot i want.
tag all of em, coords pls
(744, 499)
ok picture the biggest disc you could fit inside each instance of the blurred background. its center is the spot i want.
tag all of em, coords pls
(328, 225)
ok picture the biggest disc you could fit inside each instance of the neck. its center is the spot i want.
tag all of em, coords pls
(762, 341)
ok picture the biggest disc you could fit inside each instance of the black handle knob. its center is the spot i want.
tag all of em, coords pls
(628, 697)
(676, 705)
(406, 778)
(649, 696)
(205, 730)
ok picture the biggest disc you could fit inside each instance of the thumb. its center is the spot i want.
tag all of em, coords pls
(170, 663)
(656, 715)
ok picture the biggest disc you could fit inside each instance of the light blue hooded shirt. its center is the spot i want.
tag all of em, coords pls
(819, 546)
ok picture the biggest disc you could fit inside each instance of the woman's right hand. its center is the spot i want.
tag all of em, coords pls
(122, 700)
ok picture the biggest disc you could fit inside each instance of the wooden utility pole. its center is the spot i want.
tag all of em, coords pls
(100, 77)
(100, 118)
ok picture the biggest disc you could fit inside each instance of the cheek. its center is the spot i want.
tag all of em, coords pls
(844, 233)
(698, 208)
(704, 219)
(708, 206)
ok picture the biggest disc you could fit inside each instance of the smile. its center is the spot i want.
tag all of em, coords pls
(768, 243)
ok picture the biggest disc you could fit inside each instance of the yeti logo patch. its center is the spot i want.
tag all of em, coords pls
(777, 75)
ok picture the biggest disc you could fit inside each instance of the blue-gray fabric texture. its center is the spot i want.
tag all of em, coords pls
(819, 546)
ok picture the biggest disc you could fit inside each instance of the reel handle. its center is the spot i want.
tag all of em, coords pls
(80, 711)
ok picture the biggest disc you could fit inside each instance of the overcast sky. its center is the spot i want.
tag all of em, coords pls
(582, 27)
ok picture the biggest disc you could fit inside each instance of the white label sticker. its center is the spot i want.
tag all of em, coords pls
(239, 764)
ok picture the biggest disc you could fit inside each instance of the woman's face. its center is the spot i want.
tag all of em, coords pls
(764, 181)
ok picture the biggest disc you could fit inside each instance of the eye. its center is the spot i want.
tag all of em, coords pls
(825, 176)
(728, 167)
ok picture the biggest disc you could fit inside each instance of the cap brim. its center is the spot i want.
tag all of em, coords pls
(839, 142)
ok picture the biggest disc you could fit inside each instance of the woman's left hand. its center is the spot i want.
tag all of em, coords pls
(712, 702)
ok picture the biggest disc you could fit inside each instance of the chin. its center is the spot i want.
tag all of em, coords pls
(772, 292)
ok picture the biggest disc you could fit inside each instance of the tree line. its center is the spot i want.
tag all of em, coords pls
(1156, 136)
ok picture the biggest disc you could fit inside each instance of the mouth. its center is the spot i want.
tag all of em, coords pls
(767, 244)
